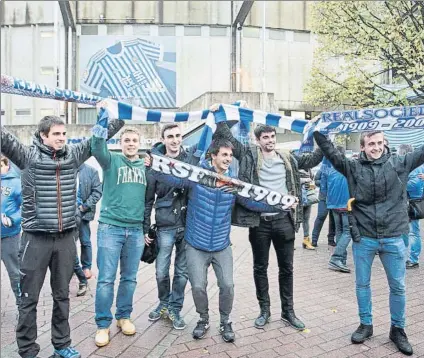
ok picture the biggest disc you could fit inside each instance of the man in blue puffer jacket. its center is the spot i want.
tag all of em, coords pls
(11, 200)
(207, 236)
(337, 198)
(415, 188)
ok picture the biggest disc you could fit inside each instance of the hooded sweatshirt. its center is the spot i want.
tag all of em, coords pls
(11, 200)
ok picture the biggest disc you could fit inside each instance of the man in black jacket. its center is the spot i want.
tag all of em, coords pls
(49, 168)
(377, 180)
(170, 207)
(263, 165)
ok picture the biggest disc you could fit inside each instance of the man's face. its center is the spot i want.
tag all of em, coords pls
(56, 138)
(222, 160)
(4, 167)
(373, 146)
(130, 143)
(172, 140)
(267, 141)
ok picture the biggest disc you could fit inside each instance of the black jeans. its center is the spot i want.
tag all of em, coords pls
(281, 233)
(319, 222)
(40, 251)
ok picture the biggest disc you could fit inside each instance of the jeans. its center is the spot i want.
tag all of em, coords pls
(115, 245)
(85, 239)
(414, 241)
(10, 257)
(319, 222)
(198, 263)
(343, 236)
(281, 233)
(39, 251)
(166, 240)
(79, 272)
(392, 253)
(306, 216)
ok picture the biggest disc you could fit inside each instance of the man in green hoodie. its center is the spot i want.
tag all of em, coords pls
(120, 236)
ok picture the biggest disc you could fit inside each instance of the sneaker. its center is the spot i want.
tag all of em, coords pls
(66, 353)
(399, 338)
(338, 266)
(412, 265)
(227, 332)
(263, 318)
(82, 289)
(201, 329)
(177, 320)
(292, 320)
(102, 337)
(306, 244)
(158, 312)
(363, 332)
(127, 327)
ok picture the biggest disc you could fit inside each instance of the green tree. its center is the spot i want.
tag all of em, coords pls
(363, 45)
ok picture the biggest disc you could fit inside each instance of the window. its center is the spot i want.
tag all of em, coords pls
(115, 29)
(47, 70)
(277, 34)
(192, 31)
(301, 36)
(23, 112)
(166, 31)
(89, 30)
(46, 34)
(253, 32)
(141, 30)
(46, 112)
(218, 31)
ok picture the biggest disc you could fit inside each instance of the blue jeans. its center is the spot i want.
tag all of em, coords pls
(166, 240)
(414, 241)
(115, 245)
(319, 222)
(392, 253)
(343, 236)
(85, 239)
(305, 223)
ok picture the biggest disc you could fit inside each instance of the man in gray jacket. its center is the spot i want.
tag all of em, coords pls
(49, 169)
(377, 180)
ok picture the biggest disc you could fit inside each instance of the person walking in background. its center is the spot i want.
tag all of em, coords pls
(415, 189)
(11, 200)
(321, 182)
(308, 188)
(337, 198)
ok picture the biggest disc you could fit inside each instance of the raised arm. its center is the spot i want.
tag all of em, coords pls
(12, 148)
(310, 160)
(83, 150)
(339, 161)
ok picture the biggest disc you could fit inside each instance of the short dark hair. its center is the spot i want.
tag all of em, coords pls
(259, 130)
(216, 145)
(168, 127)
(367, 135)
(47, 122)
(4, 159)
(405, 149)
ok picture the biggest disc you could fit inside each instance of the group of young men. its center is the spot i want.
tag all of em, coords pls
(196, 220)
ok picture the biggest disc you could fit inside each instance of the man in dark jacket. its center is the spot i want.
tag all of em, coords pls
(207, 236)
(170, 210)
(378, 180)
(49, 168)
(263, 165)
(90, 192)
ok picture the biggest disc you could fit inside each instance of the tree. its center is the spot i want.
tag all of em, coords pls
(362, 47)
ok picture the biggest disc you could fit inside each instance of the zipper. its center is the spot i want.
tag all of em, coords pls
(59, 195)
(25, 250)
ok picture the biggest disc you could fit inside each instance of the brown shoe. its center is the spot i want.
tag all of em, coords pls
(306, 244)
(87, 273)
